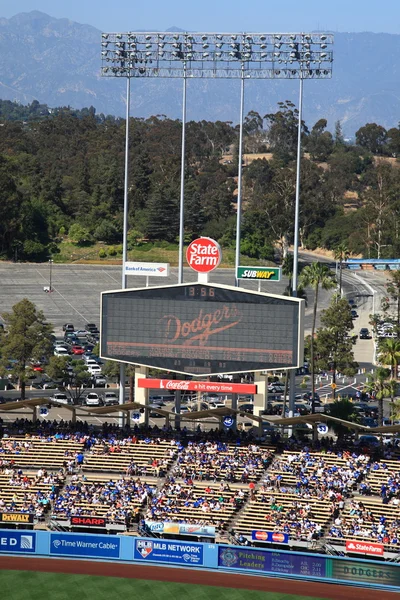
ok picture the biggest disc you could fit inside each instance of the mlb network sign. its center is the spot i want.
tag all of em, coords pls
(147, 269)
(184, 553)
(16, 541)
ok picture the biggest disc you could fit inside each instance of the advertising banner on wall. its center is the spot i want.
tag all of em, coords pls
(363, 571)
(357, 547)
(272, 562)
(147, 269)
(10, 517)
(180, 528)
(185, 553)
(97, 546)
(88, 521)
(198, 386)
(274, 537)
(15, 541)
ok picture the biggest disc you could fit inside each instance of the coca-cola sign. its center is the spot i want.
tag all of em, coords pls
(203, 255)
(198, 386)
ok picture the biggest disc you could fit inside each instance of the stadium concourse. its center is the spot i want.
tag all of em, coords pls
(64, 475)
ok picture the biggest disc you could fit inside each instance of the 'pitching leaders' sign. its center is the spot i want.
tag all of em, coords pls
(203, 255)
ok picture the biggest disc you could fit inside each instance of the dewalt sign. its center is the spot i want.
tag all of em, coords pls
(259, 273)
(8, 517)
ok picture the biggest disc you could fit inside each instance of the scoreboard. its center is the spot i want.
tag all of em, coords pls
(202, 329)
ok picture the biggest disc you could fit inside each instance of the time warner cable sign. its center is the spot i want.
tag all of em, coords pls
(202, 329)
(181, 553)
(95, 546)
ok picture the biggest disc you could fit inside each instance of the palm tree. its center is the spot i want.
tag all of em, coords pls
(315, 276)
(389, 354)
(341, 253)
(379, 385)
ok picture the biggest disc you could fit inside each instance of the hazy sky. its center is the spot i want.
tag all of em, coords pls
(220, 15)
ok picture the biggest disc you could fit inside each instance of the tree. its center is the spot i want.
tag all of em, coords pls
(341, 253)
(342, 409)
(317, 275)
(162, 215)
(389, 354)
(379, 385)
(28, 337)
(393, 290)
(282, 131)
(372, 137)
(73, 375)
(79, 235)
(333, 345)
(320, 142)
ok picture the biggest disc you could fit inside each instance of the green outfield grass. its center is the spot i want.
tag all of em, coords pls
(26, 585)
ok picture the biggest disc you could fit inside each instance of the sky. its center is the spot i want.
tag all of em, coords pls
(220, 15)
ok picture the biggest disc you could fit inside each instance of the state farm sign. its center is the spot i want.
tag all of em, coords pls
(198, 386)
(364, 548)
(203, 255)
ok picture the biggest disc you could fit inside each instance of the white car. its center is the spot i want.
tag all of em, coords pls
(93, 399)
(60, 351)
(94, 369)
(60, 397)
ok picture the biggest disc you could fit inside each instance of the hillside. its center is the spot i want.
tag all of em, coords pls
(57, 62)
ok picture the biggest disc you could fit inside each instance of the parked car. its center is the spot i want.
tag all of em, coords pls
(364, 333)
(110, 398)
(60, 352)
(210, 397)
(99, 380)
(276, 388)
(247, 408)
(93, 399)
(77, 350)
(94, 369)
(90, 326)
(354, 314)
(68, 327)
(61, 398)
(216, 405)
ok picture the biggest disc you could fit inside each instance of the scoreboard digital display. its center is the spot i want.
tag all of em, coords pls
(202, 329)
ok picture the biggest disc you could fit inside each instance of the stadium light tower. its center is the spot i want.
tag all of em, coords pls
(188, 55)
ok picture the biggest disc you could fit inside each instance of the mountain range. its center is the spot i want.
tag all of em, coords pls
(57, 62)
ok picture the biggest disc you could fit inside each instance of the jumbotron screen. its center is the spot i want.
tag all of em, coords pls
(202, 329)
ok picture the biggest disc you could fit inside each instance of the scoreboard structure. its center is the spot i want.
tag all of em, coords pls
(202, 329)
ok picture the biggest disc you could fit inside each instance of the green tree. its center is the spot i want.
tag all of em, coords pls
(320, 142)
(342, 409)
(73, 375)
(341, 253)
(27, 337)
(379, 385)
(393, 290)
(162, 215)
(333, 345)
(372, 137)
(79, 235)
(282, 131)
(316, 276)
(389, 354)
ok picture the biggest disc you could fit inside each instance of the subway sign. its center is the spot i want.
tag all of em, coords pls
(259, 273)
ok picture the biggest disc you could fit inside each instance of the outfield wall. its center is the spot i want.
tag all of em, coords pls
(238, 559)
